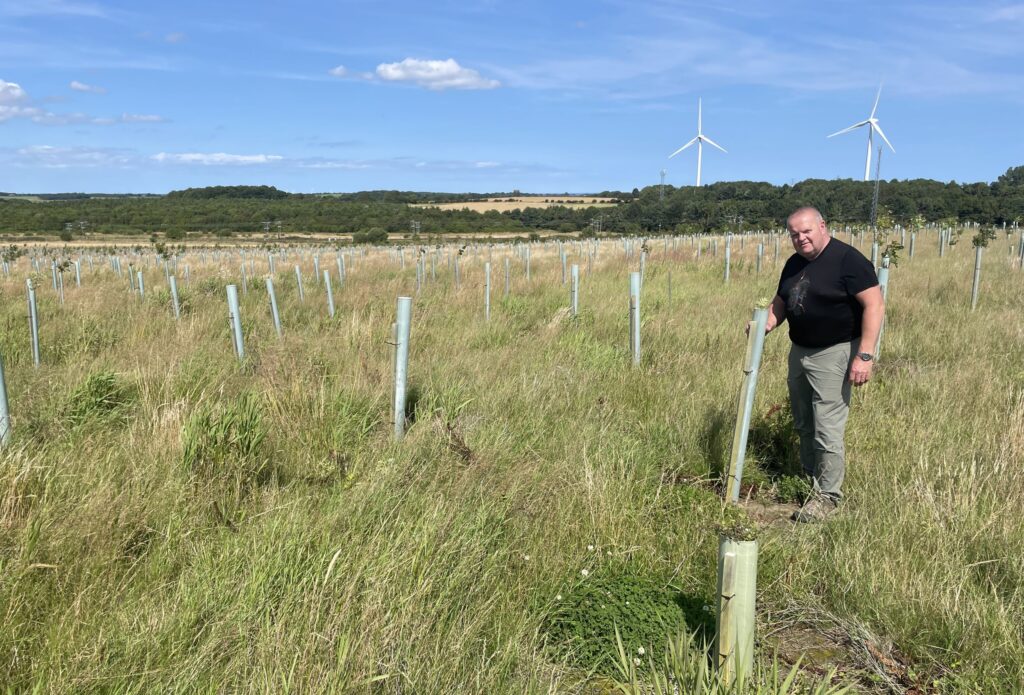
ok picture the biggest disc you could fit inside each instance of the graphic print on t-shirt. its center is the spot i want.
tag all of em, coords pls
(795, 305)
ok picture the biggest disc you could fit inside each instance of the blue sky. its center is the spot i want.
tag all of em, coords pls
(488, 96)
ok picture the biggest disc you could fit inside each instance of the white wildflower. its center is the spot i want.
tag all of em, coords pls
(636, 660)
(640, 651)
(558, 597)
(590, 548)
(585, 573)
(526, 557)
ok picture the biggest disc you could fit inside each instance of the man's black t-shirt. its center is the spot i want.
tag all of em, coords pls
(820, 304)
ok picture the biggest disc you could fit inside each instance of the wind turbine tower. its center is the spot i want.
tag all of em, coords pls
(699, 141)
(661, 188)
(873, 126)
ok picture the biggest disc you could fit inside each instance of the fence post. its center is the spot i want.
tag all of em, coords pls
(737, 595)
(330, 293)
(977, 277)
(235, 319)
(634, 316)
(274, 314)
(5, 410)
(298, 281)
(751, 365)
(574, 290)
(883, 284)
(487, 291)
(33, 322)
(403, 322)
(174, 298)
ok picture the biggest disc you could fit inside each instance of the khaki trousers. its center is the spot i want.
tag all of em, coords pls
(819, 393)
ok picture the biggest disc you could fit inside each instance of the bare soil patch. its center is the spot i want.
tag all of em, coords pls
(824, 643)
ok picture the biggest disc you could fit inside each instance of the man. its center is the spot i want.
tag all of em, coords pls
(830, 295)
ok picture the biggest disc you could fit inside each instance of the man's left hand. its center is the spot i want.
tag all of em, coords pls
(860, 371)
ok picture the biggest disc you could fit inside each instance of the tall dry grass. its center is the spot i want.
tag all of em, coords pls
(355, 563)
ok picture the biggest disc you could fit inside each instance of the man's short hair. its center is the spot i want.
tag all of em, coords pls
(803, 209)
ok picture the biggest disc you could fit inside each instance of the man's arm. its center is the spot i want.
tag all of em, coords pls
(871, 324)
(776, 314)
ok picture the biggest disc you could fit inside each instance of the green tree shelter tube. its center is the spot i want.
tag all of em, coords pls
(737, 593)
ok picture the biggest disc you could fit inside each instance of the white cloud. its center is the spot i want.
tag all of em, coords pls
(434, 74)
(216, 158)
(83, 87)
(339, 71)
(317, 163)
(13, 103)
(175, 37)
(11, 92)
(141, 118)
(1006, 13)
(50, 157)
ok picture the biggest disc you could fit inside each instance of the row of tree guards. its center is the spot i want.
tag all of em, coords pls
(589, 249)
(737, 558)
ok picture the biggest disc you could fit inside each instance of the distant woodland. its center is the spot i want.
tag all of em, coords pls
(230, 210)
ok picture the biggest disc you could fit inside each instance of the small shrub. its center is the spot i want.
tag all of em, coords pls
(103, 395)
(792, 488)
(225, 442)
(210, 287)
(642, 609)
(375, 235)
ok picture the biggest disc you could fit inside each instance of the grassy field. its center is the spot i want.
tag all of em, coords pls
(172, 520)
(528, 201)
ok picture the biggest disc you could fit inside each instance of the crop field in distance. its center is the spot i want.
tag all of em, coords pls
(175, 519)
(520, 202)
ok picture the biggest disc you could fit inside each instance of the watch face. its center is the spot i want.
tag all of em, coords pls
(866, 356)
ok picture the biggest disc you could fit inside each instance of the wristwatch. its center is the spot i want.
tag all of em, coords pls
(866, 356)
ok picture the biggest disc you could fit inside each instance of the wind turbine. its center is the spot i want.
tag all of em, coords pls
(699, 140)
(873, 126)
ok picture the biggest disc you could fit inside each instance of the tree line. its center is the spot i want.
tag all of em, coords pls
(228, 210)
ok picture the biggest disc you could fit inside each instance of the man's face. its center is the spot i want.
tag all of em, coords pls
(808, 234)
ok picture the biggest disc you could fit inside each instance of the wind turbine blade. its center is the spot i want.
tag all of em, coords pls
(684, 147)
(847, 130)
(879, 129)
(877, 97)
(699, 131)
(711, 142)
